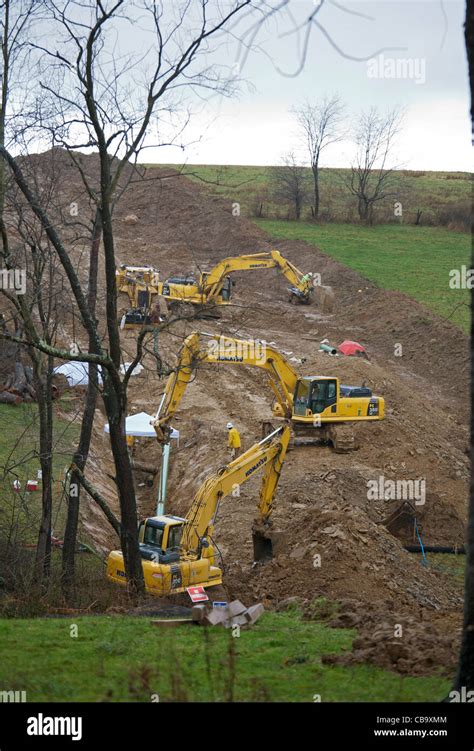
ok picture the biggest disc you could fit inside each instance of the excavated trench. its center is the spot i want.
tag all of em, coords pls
(333, 542)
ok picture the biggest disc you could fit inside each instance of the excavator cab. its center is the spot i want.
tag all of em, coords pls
(318, 395)
(167, 567)
(227, 289)
(160, 538)
(313, 395)
(144, 299)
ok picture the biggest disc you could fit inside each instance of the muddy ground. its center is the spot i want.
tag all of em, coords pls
(321, 505)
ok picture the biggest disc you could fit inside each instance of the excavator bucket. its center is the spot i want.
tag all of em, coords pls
(262, 547)
(402, 522)
(266, 542)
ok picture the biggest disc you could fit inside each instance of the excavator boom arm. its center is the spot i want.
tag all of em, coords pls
(212, 281)
(202, 348)
(268, 454)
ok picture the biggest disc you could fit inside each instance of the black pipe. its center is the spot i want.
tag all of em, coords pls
(436, 549)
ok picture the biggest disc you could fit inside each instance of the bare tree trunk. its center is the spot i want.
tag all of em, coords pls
(315, 170)
(363, 210)
(43, 383)
(4, 98)
(115, 401)
(465, 674)
(125, 489)
(370, 214)
(82, 451)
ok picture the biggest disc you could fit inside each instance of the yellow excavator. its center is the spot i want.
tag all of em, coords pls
(212, 288)
(178, 553)
(139, 283)
(318, 408)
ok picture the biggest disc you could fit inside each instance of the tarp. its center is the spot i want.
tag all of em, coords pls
(140, 426)
(77, 373)
(136, 371)
(351, 348)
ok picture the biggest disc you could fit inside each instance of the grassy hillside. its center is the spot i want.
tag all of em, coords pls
(395, 254)
(443, 197)
(128, 659)
(414, 260)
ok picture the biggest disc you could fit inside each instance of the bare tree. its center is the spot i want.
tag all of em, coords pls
(320, 125)
(82, 451)
(290, 183)
(372, 172)
(92, 96)
(25, 246)
(26, 249)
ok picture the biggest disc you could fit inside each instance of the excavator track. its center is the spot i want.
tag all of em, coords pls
(341, 437)
(187, 309)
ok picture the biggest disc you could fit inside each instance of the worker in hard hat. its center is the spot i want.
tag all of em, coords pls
(130, 444)
(234, 441)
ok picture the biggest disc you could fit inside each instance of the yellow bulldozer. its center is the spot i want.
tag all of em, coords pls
(179, 552)
(318, 408)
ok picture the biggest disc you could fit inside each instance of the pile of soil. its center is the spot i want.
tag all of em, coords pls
(343, 554)
(424, 645)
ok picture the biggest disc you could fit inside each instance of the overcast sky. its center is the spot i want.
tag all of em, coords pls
(257, 127)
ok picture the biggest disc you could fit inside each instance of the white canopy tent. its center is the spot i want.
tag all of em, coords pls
(140, 426)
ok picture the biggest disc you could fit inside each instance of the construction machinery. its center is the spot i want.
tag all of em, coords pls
(211, 289)
(178, 553)
(215, 286)
(140, 283)
(318, 408)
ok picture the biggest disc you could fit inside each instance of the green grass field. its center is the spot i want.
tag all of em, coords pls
(441, 196)
(414, 260)
(19, 460)
(127, 659)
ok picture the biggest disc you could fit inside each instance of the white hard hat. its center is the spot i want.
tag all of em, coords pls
(230, 425)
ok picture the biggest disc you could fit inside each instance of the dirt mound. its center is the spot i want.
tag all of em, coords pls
(425, 645)
(343, 553)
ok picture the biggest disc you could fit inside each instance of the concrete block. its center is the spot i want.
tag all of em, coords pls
(198, 613)
(216, 616)
(236, 608)
(254, 612)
